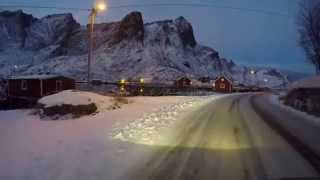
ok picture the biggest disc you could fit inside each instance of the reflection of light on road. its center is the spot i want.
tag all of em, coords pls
(228, 145)
(218, 146)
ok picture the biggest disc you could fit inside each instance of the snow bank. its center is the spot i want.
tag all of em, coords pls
(311, 118)
(75, 98)
(146, 130)
(78, 103)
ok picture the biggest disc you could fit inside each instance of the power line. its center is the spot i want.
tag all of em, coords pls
(259, 11)
(44, 7)
(202, 5)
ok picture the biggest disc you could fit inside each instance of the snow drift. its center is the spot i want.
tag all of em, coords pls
(77, 104)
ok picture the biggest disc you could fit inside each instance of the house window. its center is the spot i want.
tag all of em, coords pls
(24, 85)
(222, 86)
(59, 85)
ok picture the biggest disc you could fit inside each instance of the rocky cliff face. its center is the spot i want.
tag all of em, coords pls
(13, 27)
(161, 51)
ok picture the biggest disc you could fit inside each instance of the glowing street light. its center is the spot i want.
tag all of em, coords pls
(101, 6)
(94, 11)
(141, 80)
(252, 72)
(122, 81)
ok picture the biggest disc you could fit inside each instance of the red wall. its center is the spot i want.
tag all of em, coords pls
(34, 89)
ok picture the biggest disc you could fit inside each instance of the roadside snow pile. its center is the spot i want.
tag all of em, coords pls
(74, 104)
(276, 101)
(147, 129)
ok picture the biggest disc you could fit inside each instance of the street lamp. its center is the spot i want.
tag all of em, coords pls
(122, 81)
(92, 18)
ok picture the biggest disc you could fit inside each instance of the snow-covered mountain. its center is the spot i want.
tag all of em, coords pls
(161, 51)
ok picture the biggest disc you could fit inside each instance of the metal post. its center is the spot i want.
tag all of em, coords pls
(92, 19)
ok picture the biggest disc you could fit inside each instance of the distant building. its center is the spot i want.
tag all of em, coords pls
(33, 87)
(204, 79)
(183, 82)
(223, 84)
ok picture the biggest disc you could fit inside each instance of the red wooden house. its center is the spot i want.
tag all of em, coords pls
(183, 82)
(33, 87)
(223, 84)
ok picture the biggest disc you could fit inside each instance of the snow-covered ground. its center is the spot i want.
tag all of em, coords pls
(83, 148)
(147, 129)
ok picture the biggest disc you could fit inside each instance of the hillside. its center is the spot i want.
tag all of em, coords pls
(161, 51)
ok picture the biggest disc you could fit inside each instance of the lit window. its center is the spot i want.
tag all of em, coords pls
(24, 85)
(222, 79)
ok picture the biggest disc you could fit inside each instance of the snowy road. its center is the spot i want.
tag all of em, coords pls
(230, 138)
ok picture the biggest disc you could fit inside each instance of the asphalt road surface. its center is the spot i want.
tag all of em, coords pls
(231, 138)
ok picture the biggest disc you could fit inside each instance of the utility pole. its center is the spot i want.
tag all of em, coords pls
(92, 20)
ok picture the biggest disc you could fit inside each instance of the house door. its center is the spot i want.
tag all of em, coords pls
(59, 85)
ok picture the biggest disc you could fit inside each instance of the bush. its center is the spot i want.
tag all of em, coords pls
(121, 100)
(75, 111)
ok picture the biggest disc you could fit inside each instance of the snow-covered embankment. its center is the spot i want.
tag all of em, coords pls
(146, 129)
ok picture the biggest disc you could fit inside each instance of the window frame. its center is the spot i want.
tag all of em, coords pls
(24, 85)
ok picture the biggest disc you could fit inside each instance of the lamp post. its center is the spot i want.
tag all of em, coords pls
(92, 18)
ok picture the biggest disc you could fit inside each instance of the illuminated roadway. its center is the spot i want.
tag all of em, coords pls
(230, 138)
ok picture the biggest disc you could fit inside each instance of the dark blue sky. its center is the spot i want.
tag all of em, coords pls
(246, 37)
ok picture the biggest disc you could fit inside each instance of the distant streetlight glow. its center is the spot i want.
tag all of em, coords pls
(141, 80)
(252, 72)
(122, 81)
(101, 6)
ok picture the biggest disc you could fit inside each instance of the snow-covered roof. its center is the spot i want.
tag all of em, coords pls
(229, 78)
(37, 76)
(310, 82)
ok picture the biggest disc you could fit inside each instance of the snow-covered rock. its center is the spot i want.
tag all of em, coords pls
(50, 30)
(74, 98)
(13, 27)
(161, 51)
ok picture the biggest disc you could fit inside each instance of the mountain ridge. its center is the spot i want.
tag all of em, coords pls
(161, 50)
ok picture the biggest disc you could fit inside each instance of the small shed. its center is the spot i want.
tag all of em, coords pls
(33, 87)
(183, 82)
(223, 84)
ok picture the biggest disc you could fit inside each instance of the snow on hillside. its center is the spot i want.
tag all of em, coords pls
(58, 44)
